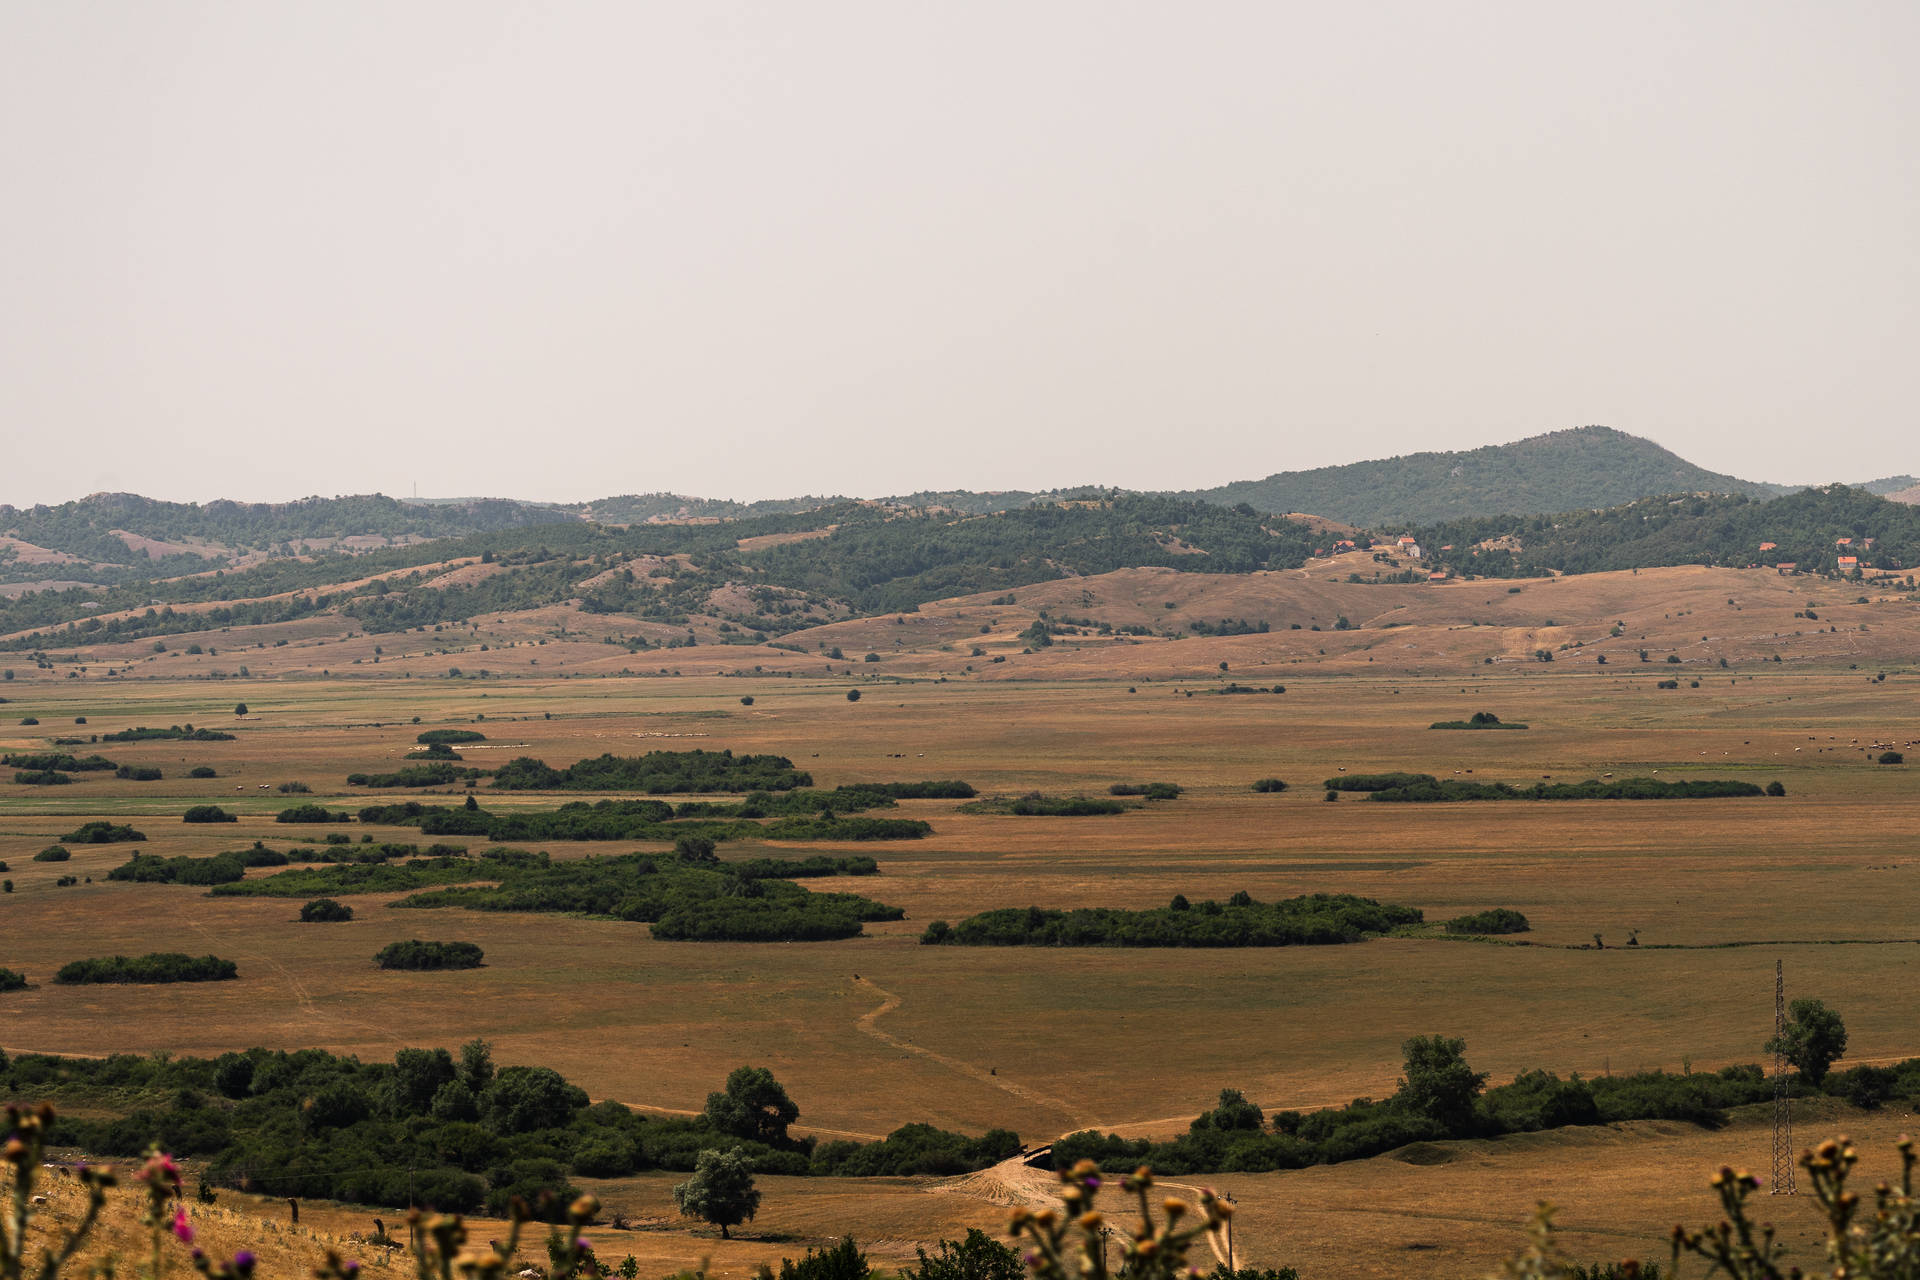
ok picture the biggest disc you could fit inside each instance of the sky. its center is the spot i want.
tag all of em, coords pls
(562, 250)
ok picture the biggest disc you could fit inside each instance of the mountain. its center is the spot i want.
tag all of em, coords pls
(1583, 468)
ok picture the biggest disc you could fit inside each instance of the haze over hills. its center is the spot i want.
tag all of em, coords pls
(109, 540)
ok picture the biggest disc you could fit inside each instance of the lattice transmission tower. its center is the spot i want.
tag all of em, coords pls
(1782, 1181)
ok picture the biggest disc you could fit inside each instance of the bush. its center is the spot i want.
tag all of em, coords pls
(1498, 920)
(52, 853)
(202, 771)
(842, 1262)
(1891, 757)
(325, 911)
(41, 778)
(415, 954)
(137, 773)
(11, 981)
(1270, 785)
(1776, 789)
(207, 813)
(853, 695)
(160, 966)
(1314, 919)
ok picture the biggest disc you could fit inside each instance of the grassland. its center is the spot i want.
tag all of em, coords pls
(874, 1032)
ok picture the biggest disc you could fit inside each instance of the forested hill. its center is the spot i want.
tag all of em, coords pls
(858, 559)
(92, 528)
(1805, 528)
(1560, 471)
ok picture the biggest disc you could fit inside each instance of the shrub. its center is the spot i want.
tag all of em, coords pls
(207, 813)
(324, 911)
(841, 1262)
(99, 832)
(1891, 757)
(1498, 920)
(415, 954)
(41, 778)
(1269, 785)
(1776, 788)
(853, 695)
(293, 789)
(202, 771)
(11, 981)
(138, 773)
(160, 966)
(29, 720)
(52, 853)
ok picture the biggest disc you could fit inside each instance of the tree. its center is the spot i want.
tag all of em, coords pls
(754, 1105)
(853, 695)
(1438, 1083)
(476, 1065)
(721, 1191)
(1234, 1112)
(240, 709)
(1814, 1038)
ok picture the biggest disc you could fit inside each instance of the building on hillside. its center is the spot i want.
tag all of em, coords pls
(1866, 544)
(1345, 544)
(1849, 562)
(1843, 542)
(1768, 546)
(1787, 566)
(1438, 575)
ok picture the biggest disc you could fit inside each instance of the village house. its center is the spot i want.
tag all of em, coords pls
(1768, 546)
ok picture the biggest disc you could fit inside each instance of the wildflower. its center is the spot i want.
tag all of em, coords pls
(182, 1229)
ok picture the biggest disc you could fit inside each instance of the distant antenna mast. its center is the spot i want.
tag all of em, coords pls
(1782, 1184)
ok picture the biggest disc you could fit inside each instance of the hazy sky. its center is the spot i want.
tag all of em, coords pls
(554, 250)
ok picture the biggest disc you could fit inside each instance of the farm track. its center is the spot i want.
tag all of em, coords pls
(867, 1024)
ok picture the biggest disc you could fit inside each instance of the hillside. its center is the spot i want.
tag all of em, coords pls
(1561, 471)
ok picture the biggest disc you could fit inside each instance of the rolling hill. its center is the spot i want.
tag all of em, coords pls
(1585, 467)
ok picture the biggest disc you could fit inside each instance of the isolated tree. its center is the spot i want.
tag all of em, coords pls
(753, 1105)
(1438, 1083)
(240, 709)
(1234, 1112)
(721, 1191)
(853, 695)
(1814, 1039)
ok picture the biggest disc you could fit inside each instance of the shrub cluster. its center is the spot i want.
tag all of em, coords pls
(1424, 788)
(12, 981)
(1498, 920)
(656, 773)
(312, 814)
(221, 868)
(1269, 785)
(53, 853)
(41, 760)
(448, 1129)
(1479, 720)
(1151, 790)
(181, 733)
(159, 966)
(437, 774)
(101, 832)
(633, 820)
(449, 737)
(325, 911)
(417, 954)
(1314, 919)
(208, 813)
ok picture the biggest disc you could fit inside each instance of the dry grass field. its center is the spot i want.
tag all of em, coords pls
(874, 1032)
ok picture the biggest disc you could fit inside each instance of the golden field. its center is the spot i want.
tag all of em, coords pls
(874, 1032)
